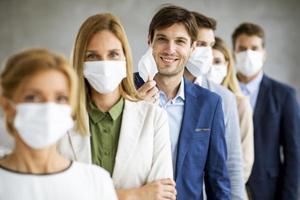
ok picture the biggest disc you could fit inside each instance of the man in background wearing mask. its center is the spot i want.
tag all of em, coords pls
(196, 71)
(276, 120)
(194, 113)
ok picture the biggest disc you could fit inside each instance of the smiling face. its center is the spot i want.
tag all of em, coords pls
(171, 49)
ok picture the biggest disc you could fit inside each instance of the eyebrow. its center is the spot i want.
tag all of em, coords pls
(110, 50)
(162, 35)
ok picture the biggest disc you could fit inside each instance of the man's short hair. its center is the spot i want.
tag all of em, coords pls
(249, 29)
(204, 21)
(171, 14)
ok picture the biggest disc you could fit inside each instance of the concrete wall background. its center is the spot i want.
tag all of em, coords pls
(54, 24)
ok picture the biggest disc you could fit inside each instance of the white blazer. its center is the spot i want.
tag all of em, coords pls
(144, 149)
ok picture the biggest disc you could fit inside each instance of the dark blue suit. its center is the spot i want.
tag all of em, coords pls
(201, 146)
(276, 126)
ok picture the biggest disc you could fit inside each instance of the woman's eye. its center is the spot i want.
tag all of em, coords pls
(90, 57)
(114, 55)
(32, 98)
(62, 99)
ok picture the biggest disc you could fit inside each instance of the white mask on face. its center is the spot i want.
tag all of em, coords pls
(217, 73)
(249, 62)
(147, 65)
(104, 76)
(200, 61)
(42, 124)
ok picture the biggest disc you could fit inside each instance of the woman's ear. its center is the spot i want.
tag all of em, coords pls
(7, 106)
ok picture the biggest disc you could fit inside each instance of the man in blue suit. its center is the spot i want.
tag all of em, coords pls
(195, 114)
(276, 169)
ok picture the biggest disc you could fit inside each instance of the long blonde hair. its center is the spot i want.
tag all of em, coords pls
(230, 81)
(23, 65)
(88, 29)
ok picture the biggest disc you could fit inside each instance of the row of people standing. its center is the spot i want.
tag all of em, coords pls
(192, 136)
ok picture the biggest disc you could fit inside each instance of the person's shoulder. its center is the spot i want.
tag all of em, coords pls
(200, 92)
(92, 169)
(280, 85)
(221, 90)
(280, 88)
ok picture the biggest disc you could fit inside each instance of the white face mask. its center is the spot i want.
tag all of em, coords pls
(42, 124)
(104, 76)
(217, 73)
(249, 62)
(200, 61)
(147, 65)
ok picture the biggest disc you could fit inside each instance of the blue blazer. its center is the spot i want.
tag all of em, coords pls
(201, 146)
(276, 126)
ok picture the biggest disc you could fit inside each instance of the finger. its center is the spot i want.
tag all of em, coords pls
(168, 181)
(152, 92)
(169, 196)
(150, 78)
(147, 86)
(169, 188)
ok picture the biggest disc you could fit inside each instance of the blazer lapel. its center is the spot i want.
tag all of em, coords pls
(192, 109)
(132, 121)
(81, 146)
(261, 100)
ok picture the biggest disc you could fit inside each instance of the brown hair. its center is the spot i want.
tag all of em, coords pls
(204, 21)
(250, 29)
(169, 15)
(88, 29)
(25, 64)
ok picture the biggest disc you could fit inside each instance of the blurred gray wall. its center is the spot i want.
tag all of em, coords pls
(54, 24)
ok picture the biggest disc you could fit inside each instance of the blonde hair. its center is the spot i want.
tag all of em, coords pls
(88, 29)
(23, 65)
(230, 81)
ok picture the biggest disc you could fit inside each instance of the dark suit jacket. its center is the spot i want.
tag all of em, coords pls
(276, 128)
(201, 146)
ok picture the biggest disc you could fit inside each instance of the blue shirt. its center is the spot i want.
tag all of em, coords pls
(174, 108)
(251, 89)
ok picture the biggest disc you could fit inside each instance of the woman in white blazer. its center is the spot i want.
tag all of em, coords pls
(142, 165)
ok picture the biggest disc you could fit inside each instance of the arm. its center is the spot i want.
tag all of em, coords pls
(234, 150)
(163, 189)
(216, 176)
(159, 182)
(162, 156)
(247, 133)
(290, 134)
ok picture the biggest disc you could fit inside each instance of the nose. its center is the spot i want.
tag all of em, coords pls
(170, 47)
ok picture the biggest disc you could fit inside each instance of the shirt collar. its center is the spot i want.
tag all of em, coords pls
(180, 96)
(253, 85)
(97, 115)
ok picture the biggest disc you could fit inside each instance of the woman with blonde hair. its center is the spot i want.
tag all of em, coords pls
(222, 72)
(114, 128)
(38, 96)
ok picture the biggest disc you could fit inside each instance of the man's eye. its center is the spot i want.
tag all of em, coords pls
(161, 39)
(181, 42)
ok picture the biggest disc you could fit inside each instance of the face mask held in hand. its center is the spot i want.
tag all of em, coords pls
(104, 76)
(147, 65)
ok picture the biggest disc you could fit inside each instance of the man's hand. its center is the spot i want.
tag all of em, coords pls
(149, 91)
